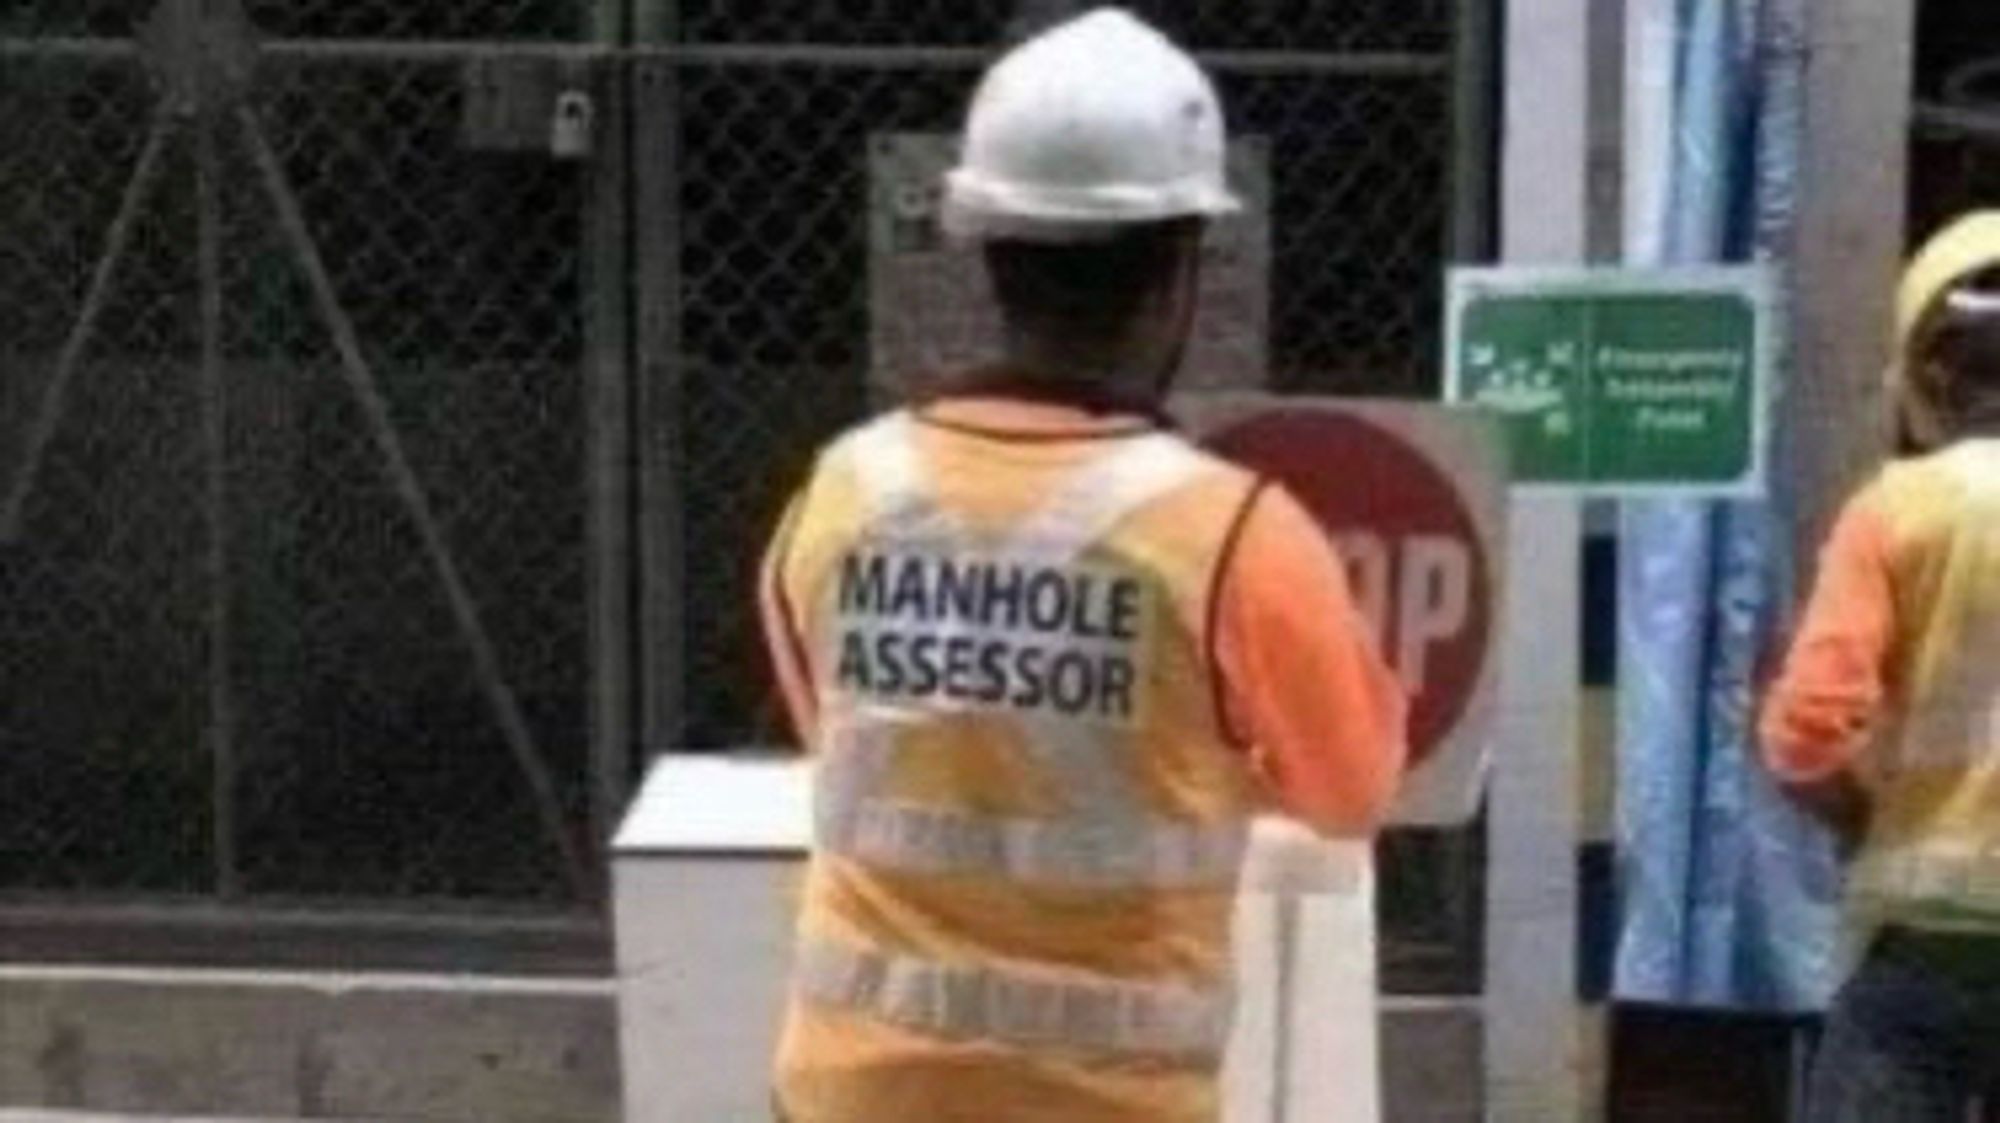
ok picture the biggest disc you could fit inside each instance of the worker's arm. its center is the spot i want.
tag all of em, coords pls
(1825, 707)
(783, 636)
(1301, 682)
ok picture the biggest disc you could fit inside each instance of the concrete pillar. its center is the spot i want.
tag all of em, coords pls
(1853, 185)
(1534, 1053)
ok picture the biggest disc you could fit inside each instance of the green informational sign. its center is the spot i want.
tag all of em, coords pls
(1620, 381)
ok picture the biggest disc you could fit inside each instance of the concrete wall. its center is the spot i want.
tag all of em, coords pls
(226, 1044)
(1850, 249)
(1432, 1061)
(312, 1045)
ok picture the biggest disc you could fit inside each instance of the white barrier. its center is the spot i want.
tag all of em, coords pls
(704, 872)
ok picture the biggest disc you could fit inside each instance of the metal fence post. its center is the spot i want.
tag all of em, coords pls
(608, 374)
(214, 389)
(1475, 92)
(659, 362)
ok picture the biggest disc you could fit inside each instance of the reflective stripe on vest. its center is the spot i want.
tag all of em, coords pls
(924, 840)
(1114, 841)
(1107, 852)
(1917, 873)
(971, 1003)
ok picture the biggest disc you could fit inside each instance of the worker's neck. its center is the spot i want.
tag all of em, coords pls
(1978, 419)
(1090, 376)
(1983, 433)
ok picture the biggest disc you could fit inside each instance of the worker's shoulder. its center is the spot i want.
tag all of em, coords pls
(840, 464)
(833, 480)
(1209, 470)
(1222, 467)
(858, 436)
(1935, 494)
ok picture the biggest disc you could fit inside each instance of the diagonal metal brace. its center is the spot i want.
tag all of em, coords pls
(201, 55)
(55, 395)
(361, 381)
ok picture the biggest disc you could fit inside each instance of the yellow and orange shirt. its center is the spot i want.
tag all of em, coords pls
(1051, 663)
(1894, 678)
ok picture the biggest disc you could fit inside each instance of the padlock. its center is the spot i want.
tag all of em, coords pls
(913, 217)
(915, 202)
(570, 133)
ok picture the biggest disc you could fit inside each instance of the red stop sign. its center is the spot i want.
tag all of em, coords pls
(1417, 565)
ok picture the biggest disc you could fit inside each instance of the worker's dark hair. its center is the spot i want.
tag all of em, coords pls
(1087, 291)
(1963, 345)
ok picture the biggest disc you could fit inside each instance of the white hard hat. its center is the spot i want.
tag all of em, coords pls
(1096, 124)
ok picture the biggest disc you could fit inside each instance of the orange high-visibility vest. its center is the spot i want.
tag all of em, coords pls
(1030, 816)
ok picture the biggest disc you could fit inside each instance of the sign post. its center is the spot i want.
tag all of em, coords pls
(1533, 1039)
(1618, 381)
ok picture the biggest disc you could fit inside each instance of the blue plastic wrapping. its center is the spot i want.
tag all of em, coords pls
(1728, 895)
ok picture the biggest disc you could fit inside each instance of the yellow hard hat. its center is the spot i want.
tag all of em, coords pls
(1919, 416)
(1965, 248)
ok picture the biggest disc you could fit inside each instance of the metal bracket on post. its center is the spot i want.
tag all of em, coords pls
(202, 53)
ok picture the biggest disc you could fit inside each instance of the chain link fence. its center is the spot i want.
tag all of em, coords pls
(294, 563)
(1955, 139)
(1339, 27)
(302, 392)
(108, 596)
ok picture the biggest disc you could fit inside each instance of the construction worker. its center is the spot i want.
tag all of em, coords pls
(1052, 658)
(1887, 716)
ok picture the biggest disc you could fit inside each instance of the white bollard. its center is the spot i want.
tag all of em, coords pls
(702, 880)
(1305, 1045)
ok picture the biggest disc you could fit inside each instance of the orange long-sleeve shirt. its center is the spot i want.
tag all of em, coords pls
(1828, 703)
